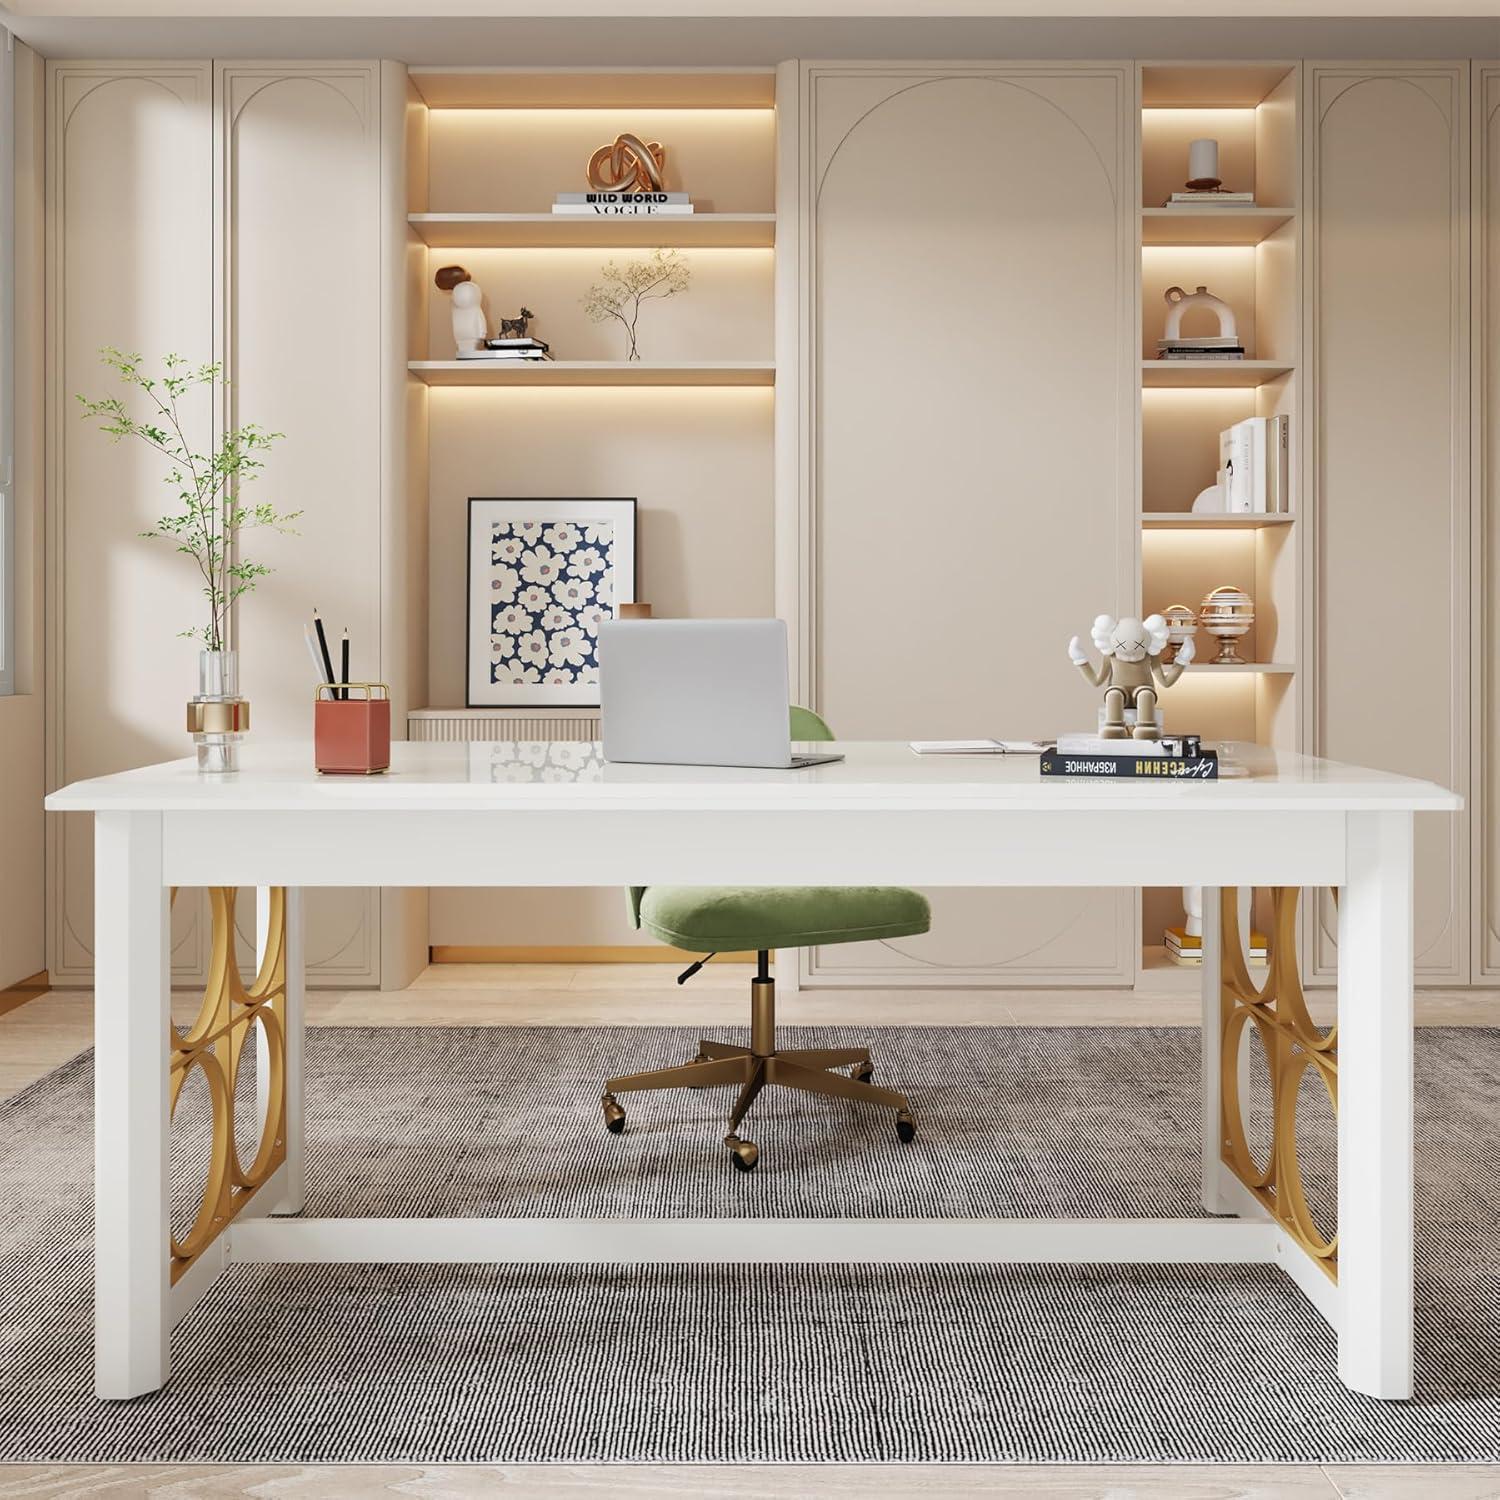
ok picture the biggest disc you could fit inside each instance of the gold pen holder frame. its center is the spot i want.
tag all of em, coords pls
(352, 728)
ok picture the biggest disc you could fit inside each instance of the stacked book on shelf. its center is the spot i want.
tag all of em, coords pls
(627, 205)
(511, 350)
(1217, 197)
(1183, 948)
(1210, 346)
(1254, 463)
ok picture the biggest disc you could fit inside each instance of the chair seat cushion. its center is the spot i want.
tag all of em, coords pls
(736, 918)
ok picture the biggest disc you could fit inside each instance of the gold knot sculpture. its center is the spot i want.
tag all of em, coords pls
(630, 165)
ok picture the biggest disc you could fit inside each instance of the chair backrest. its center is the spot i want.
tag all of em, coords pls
(806, 725)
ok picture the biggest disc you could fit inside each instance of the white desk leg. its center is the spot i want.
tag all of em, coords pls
(132, 1186)
(1375, 1107)
(296, 982)
(1213, 1166)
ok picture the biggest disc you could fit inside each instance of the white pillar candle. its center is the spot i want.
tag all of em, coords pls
(1203, 161)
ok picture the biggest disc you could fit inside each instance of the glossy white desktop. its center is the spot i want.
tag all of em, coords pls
(545, 815)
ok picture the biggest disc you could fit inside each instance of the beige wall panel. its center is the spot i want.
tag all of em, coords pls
(1487, 449)
(959, 501)
(302, 321)
(23, 869)
(517, 161)
(725, 314)
(130, 264)
(1390, 355)
(697, 460)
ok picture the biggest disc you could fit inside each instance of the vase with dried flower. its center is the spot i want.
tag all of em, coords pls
(622, 289)
(206, 524)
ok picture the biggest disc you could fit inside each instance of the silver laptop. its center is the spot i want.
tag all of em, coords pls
(697, 693)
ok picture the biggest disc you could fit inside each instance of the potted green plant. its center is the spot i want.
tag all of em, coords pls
(206, 524)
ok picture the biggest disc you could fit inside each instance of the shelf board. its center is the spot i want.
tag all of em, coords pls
(596, 88)
(499, 231)
(1211, 226)
(590, 372)
(1216, 374)
(1201, 668)
(1166, 520)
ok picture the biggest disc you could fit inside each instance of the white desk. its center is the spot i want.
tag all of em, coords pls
(497, 815)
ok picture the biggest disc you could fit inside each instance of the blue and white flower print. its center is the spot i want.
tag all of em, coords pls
(551, 587)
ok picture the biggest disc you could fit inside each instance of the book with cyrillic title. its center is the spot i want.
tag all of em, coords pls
(1204, 767)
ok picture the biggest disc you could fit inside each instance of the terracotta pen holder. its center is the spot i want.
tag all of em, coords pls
(352, 732)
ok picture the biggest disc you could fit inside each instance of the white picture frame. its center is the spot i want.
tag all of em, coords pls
(542, 575)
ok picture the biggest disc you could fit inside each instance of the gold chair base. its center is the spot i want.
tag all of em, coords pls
(809, 1069)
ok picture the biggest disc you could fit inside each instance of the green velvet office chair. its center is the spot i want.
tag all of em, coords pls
(726, 919)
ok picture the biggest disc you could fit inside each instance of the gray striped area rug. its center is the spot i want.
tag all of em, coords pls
(852, 1364)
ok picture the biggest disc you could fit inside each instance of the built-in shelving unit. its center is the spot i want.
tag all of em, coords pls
(473, 372)
(1249, 257)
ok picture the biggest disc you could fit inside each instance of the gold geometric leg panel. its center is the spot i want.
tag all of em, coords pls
(1292, 1044)
(214, 1044)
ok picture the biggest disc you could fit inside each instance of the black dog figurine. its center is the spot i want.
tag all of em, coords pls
(515, 328)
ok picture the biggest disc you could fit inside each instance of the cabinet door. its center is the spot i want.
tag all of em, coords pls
(1390, 350)
(299, 290)
(130, 192)
(1486, 415)
(967, 496)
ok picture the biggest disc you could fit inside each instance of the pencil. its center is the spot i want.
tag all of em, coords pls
(344, 655)
(323, 647)
(312, 651)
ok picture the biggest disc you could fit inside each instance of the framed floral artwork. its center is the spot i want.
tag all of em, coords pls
(543, 576)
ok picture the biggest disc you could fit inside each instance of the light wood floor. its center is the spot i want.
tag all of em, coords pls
(559, 1482)
(38, 1036)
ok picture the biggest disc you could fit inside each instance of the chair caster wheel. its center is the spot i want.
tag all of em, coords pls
(906, 1127)
(744, 1154)
(863, 1073)
(614, 1114)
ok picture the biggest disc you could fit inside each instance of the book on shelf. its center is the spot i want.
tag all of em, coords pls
(1216, 196)
(625, 210)
(1200, 354)
(505, 356)
(1255, 454)
(539, 345)
(1183, 947)
(1202, 341)
(598, 197)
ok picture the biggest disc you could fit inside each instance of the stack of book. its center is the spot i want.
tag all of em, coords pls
(615, 205)
(1187, 950)
(1208, 347)
(1254, 461)
(509, 349)
(1216, 196)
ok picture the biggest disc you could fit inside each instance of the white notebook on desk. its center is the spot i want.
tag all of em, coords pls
(978, 747)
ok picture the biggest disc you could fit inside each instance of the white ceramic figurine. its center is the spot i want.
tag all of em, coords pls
(469, 327)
